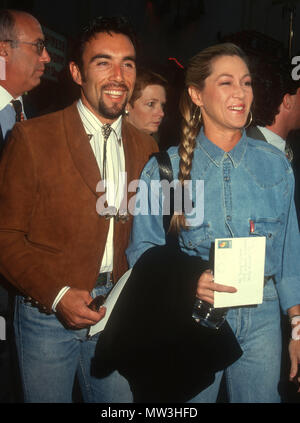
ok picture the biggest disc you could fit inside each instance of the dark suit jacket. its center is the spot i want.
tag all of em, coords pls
(254, 132)
(50, 233)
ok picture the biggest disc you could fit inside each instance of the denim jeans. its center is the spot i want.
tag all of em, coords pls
(51, 356)
(254, 378)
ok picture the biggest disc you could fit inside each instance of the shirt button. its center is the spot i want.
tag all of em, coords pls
(228, 218)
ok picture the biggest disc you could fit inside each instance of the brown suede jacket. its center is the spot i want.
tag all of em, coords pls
(50, 232)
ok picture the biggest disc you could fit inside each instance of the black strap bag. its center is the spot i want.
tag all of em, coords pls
(151, 337)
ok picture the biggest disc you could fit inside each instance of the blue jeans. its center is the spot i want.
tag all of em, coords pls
(255, 376)
(51, 356)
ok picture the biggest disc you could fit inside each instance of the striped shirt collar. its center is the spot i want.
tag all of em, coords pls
(92, 124)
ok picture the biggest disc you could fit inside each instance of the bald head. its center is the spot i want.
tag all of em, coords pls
(9, 20)
(20, 19)
(25, 63)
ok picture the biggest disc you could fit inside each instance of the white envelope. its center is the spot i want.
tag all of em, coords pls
(240, 262)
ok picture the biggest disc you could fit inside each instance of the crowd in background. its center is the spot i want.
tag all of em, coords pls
(152, 120)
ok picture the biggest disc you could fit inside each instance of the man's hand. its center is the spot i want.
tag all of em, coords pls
(73, 309)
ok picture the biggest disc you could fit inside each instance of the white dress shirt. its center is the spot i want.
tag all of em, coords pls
(273, 138)
(115, 173)
(5, 97)
(7, 112)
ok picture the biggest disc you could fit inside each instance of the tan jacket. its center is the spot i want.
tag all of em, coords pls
(50, 233)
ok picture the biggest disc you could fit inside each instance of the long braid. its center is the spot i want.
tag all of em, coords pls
(189, 131)
(199, 68)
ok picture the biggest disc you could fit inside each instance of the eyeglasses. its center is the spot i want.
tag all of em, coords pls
(40, 44)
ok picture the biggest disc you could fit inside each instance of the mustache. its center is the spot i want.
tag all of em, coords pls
(115, 86)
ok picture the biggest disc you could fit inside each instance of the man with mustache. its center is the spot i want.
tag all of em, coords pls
(22, 60)
(54, 246)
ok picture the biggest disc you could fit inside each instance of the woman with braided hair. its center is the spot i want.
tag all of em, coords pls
(248, 191)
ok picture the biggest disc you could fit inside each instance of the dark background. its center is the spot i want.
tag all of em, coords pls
(177, 28)
(168, 30)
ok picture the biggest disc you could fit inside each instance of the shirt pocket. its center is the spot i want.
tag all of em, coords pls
(271, 228)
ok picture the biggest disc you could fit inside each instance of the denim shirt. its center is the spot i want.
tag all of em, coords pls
(248, 191)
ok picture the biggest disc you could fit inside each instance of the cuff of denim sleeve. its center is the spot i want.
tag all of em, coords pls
(59, 297)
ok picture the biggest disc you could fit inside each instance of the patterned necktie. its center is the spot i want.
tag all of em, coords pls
(17, 105)
(110, 212)
(289, 152)
(106, 130)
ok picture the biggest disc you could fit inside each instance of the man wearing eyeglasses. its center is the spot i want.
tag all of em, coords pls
(22, 60)
(23, 57)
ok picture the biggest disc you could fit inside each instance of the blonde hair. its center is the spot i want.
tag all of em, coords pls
(198, 69)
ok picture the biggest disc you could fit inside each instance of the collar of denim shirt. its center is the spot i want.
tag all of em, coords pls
(217, 155)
